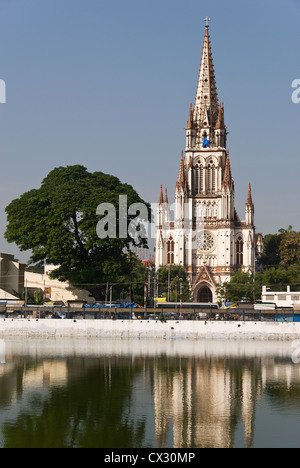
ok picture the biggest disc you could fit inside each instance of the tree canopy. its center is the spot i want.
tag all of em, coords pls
(281, 268)
(169, 280)
(58, 223)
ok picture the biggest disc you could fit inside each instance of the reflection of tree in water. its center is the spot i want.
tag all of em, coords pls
(87, 412)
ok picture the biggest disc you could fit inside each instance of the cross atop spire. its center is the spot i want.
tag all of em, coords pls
(207, 19)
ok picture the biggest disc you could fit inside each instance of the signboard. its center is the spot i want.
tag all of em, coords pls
(47, 293)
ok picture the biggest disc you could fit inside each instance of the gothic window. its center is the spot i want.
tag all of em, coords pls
(201, 179)
(198, 179)
(211, 175)
(239, 245)
(170, 251)
(205, 241)
(213, 182)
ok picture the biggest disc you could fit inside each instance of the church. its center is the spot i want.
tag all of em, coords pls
(202, 230)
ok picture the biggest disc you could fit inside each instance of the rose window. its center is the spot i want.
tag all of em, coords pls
(205, 241)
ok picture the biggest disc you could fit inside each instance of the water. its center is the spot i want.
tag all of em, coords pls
(140, 393)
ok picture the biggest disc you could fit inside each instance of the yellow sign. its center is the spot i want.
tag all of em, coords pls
(160, 300)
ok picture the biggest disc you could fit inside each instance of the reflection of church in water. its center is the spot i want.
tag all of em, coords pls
(206, 236)
(209, 402)
(204, 404)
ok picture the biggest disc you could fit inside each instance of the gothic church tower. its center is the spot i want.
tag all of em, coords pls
(206, 235)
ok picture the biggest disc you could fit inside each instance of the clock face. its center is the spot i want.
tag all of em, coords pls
(205, 241)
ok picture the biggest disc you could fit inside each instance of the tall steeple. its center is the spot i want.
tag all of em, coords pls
(182, 179)
(249, 207)
(206, 236)
(206, 108)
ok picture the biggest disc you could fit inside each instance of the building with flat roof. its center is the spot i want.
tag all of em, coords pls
(286, 298)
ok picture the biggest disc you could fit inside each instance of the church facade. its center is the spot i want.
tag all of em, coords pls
(205, 234)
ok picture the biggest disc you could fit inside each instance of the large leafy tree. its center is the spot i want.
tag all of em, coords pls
(289, 249)
(58, 223)
(281, 249)
(243, 286)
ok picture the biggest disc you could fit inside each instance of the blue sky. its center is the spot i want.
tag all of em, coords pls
(108, 85)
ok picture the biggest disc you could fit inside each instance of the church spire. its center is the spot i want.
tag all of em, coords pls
(249, 208)
(227, 178)
(190, 122)
(166, 200)
(249, 201)
(161, 197)
(206, 109)
(182, 179)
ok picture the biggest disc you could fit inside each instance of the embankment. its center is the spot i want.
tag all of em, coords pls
(185, 329)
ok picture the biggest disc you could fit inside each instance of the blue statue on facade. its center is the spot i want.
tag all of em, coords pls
(206, 143)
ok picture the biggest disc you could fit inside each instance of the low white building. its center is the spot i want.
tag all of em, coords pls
(14, 279)
(52, 289)
(286, 298)
(11, 277)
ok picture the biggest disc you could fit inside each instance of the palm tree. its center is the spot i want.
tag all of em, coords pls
(289, 230)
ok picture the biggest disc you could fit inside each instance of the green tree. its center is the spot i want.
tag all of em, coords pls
(289, 248)
(289, 230)
(132, 284)
(279, 278)
(58, 222)
(243, 286)
(271, 254)
(281, 249)
(169, 278)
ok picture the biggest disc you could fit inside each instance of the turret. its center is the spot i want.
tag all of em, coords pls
(220, 128)
(228, 191)
(190, 130)
(249, 208)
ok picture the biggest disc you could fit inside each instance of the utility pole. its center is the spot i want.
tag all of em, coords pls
(145, 296)
(180, 298)
(106, 294)
(169, 274)
(154, 290)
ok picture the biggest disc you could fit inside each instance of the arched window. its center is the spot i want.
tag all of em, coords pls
(211, 177)
(201, 188)
(198, 179)
(170, 251)
(239, 246)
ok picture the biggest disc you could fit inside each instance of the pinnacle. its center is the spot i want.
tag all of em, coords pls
(249, 201)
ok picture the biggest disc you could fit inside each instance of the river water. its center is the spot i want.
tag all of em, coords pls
(148, 393)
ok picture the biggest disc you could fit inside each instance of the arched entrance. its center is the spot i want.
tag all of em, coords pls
(204, 295)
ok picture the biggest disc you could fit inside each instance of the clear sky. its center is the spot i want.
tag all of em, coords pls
(107, 84)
